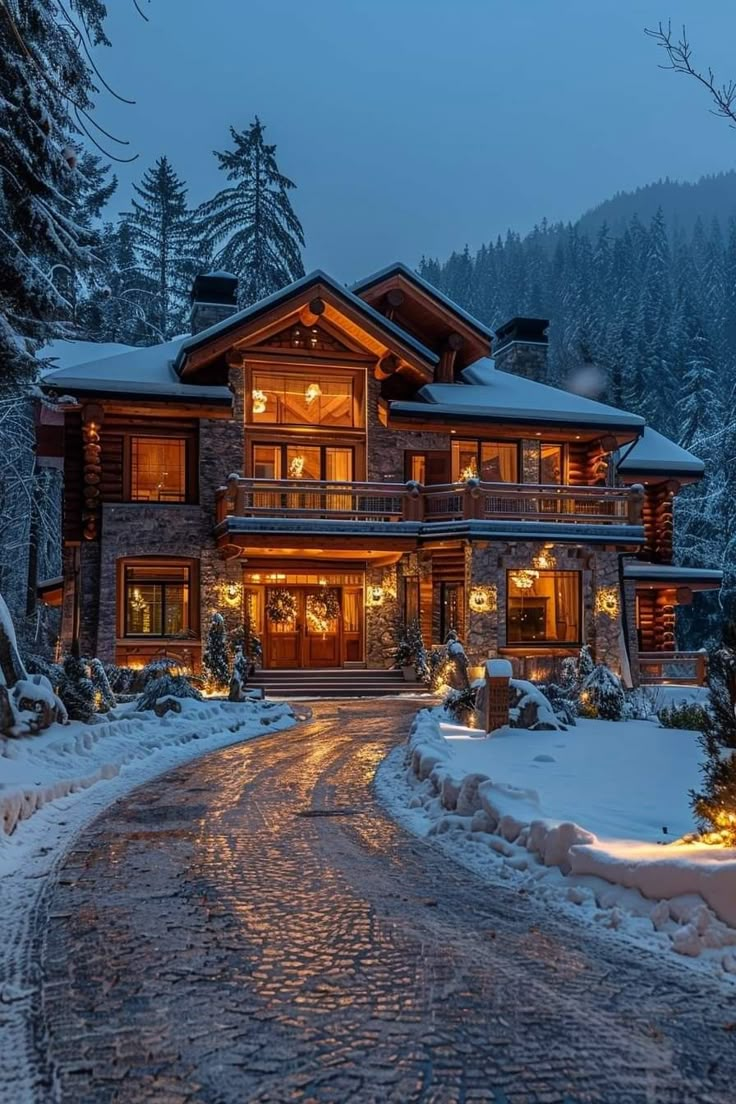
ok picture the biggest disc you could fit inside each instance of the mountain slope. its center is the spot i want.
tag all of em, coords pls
(681, 202)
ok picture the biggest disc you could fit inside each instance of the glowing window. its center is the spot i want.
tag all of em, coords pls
(157, 600)
(543, 607)
(280, 398)
(158, 469)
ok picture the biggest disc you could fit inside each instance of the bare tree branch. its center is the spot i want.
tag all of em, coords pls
(680, 60)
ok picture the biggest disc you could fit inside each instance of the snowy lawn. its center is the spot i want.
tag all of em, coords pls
(51, 786)
(588, 817)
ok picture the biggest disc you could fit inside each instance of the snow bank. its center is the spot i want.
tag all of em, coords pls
(684, 894)
(66, 759)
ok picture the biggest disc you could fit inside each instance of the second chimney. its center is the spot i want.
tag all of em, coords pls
(521, 347)
(214, 298)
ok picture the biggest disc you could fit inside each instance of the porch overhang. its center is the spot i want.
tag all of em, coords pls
(368, 539)
(666, 576)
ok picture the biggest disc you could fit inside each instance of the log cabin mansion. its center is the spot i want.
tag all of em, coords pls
(335, 462)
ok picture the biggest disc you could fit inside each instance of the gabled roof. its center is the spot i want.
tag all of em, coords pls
(489, 394)
(655, 454)
(295, 290)
(399, 269)
(145, 371)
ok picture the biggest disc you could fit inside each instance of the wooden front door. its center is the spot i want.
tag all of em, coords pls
(307, 639)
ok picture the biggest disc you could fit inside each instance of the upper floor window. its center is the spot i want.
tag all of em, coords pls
(309, 398)
(491, 461)
(158, 469)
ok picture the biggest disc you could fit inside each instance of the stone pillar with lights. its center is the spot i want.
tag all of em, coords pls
(481, 590)
(382, 615)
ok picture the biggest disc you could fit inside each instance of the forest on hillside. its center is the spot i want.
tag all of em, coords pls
(655, 312)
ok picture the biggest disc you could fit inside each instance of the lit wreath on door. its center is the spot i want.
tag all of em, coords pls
(321, 609)
(281, 606)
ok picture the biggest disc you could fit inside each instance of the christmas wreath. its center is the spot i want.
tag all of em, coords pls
(281, 605)
(321, 609)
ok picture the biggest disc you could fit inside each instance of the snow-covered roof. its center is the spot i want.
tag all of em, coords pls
(487, 393)
(64, 354)
(657, 455)
(673, 573)
(233, 321)
(399, 269)
(148, 370)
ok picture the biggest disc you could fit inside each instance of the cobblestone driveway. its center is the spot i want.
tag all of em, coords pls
(215, 938)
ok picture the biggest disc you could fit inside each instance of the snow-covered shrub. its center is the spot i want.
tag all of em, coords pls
(37, 665)
(563, 699)
(640, 703)
(76, 689)
(684, 715)
(216, 660)
(104, 698)
(121, 679)
(448, 665)
(162, 665)
(167, 686)
(411, 650)
(461, 704)
(602, 695)
(529, 708)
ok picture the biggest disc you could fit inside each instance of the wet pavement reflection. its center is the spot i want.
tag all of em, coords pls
(207, 941)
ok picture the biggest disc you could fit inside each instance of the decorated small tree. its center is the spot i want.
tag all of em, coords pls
(104, 698)
(715, 805)
(411, 653)
(215, 660)
(602, 695)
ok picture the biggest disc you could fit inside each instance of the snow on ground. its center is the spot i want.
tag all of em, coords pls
(578, 817)
(51, 786)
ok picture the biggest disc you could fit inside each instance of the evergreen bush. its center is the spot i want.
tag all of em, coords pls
(167, 686)
(602, 695)
(715, 805)
(216, 659)
(76, 689)
(411, 651)
(684, 715)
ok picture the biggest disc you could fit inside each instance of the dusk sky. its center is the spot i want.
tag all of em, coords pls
(415, 126)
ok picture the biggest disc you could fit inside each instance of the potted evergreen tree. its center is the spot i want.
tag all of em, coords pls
(411, 654)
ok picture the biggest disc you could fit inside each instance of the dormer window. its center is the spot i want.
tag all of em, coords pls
(316, 398)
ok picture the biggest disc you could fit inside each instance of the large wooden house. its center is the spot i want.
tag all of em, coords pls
(334, 463)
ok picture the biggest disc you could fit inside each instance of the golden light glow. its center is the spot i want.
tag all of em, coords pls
(312, 392)
(483, 599)
(259, 399)
(544, 560)
(607, 602)
(374, 596)
(231, 594)
(470, 472)
(296, 467)
(524, 579)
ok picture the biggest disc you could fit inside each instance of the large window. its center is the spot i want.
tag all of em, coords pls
(308, 398)
(491, 461)
(543, 607)
(157, 599)
(158, 469)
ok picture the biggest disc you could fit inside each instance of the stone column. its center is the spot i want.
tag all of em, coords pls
(481, 596)
(382, 616)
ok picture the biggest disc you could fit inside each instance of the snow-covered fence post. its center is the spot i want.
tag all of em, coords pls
(496, 698)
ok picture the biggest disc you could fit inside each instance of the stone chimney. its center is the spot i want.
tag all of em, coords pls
(521, 347)
(214, 297)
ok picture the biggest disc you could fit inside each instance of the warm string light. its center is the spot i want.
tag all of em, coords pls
(524, 578)
(483, 599)
(607, 602)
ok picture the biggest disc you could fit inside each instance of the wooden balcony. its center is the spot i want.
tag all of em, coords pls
(679, 668)
(390, 502)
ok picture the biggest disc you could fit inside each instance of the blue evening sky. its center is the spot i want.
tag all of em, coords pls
(415, 126)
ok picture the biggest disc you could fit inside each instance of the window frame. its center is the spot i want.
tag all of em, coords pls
(191, 462)
(320, 369)
(191, 582)
(468, 442)
(546, 643)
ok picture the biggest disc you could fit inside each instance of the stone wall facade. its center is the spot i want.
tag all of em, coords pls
(523, 358)
(382, 620)
(386, 447)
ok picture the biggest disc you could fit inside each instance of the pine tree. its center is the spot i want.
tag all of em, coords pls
(715, 805)
(252, 222)
(163, 241)
(45, 86)
(76, 689)
(215, 660)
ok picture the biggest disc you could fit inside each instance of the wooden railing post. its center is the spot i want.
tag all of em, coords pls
(472, 499)
(636, 502)
(413, 504)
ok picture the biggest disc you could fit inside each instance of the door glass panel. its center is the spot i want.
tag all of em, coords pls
(339, 469)
(267, 461)
(418, 467)
(302, 463)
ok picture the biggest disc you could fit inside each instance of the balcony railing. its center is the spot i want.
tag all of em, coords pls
(684, 668)
(413, 502)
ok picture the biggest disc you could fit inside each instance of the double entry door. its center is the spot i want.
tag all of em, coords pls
(307, 639)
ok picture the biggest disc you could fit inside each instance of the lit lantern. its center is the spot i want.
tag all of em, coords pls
(524, 579)
(375, 595)
(607, 602)
(482, 599)
(259, 399)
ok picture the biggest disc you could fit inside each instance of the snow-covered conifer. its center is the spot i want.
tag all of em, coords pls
(216, 661)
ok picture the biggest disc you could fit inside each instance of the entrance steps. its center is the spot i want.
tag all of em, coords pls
(333, 682)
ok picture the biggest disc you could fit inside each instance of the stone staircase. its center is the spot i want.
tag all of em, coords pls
(337, 682)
